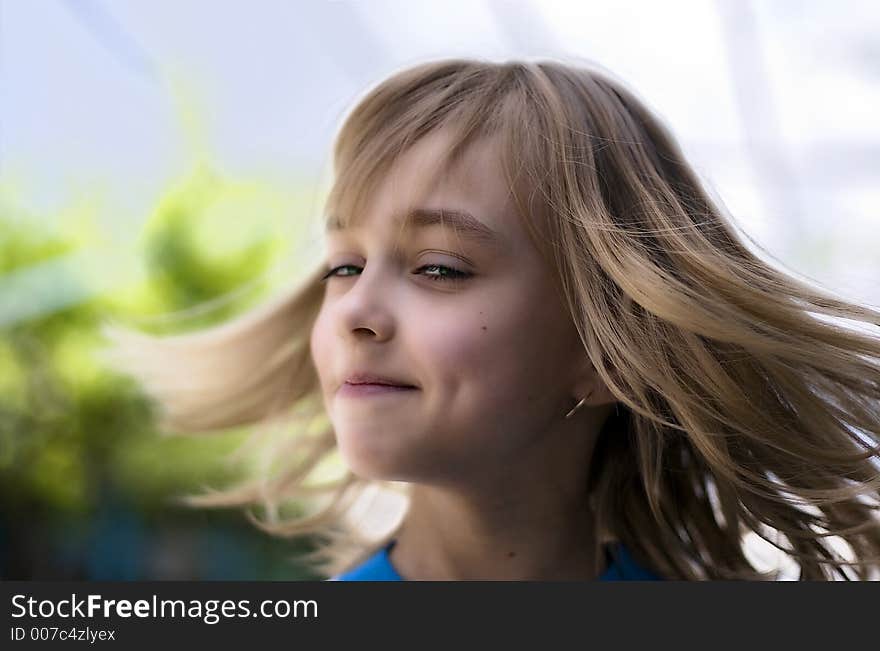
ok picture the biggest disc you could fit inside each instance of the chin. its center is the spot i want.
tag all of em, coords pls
(365, 462)
(375, 467)
(381, 454)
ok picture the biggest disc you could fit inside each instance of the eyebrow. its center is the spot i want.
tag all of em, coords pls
(463, 222)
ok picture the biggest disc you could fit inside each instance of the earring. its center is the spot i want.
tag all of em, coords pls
(578, 405)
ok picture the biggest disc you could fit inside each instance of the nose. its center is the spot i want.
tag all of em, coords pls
(364, 310)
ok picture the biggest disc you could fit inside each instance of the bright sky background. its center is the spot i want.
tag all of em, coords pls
(775, 102)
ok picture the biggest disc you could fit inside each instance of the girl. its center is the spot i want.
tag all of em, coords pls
(538, 333)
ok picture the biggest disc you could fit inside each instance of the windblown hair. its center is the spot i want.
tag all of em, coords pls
(748, 405)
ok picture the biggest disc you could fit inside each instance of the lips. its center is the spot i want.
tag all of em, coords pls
(362, 377)
(362, 384)
(373, 390)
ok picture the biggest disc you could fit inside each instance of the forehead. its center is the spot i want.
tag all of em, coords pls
(470, 198)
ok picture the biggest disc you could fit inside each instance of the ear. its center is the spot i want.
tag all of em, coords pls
(590, 384)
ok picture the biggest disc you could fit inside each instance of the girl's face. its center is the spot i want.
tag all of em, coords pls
(473, 320)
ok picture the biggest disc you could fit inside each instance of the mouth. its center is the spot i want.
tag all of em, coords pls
(360, 378)
(367, 389)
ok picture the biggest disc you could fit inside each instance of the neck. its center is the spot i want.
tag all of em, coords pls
(445, 538)
(529, 522)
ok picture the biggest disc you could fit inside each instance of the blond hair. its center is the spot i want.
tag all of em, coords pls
(747, 406)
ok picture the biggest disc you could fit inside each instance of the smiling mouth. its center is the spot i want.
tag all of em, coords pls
(367, 389)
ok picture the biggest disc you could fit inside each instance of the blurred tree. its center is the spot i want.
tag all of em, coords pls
(84, 475)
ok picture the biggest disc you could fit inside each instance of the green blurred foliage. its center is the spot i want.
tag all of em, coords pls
(70, 429)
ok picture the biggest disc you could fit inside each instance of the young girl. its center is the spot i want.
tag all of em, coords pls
(536, 331)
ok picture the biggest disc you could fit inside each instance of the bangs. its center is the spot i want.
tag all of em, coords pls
(467, 102)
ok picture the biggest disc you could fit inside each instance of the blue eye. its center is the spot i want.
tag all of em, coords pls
(446, 274)
(333, 271)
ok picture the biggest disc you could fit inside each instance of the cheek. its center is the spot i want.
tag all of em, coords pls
(491, 349)
(506, 360)
(457, 344)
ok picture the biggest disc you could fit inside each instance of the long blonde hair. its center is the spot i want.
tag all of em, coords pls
(747, 407)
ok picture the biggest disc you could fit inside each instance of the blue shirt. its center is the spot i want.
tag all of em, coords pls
(379, 568)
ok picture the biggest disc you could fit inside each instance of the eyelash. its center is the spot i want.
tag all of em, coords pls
(456, 274)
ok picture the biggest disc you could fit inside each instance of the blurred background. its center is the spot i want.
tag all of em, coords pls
(155, 155)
